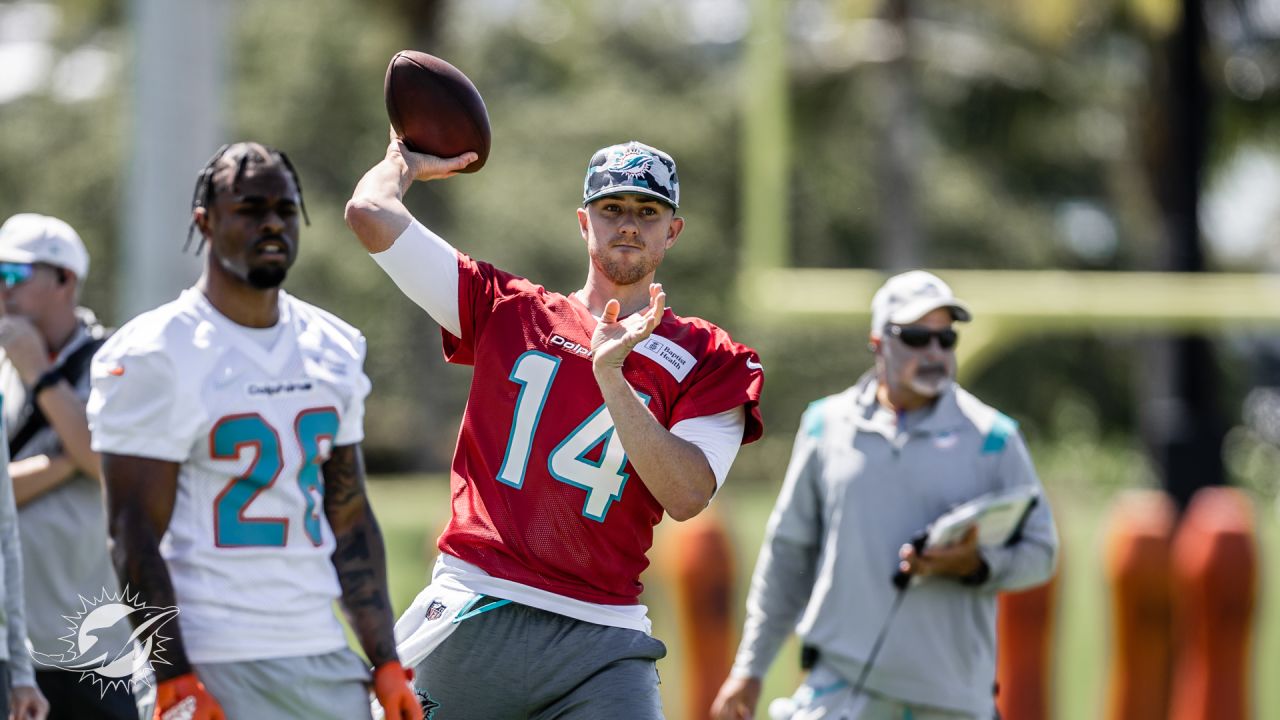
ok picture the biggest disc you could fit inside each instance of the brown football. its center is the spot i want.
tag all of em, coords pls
(436, 109)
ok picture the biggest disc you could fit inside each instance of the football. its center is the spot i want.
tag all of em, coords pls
(436, 109)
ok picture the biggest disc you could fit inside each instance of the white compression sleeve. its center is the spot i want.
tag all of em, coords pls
(718, 437)
(425, 268)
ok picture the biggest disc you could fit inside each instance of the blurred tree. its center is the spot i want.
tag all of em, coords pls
(1025, 136)
(896, 128)
(61, 152)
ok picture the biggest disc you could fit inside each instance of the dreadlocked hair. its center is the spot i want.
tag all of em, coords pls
(241, 154)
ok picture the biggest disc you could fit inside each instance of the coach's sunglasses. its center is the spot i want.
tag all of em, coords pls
(918, 337)
(14, 274)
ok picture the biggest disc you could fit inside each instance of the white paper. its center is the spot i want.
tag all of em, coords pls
(997, 516)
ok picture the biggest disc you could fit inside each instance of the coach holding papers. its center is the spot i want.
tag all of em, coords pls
(871, 468)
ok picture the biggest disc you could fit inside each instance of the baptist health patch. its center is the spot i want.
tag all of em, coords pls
(675, 359)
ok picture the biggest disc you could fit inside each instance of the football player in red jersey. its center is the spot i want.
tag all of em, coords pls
(589, 416)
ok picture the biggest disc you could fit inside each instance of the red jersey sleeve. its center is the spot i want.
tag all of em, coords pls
(481, 287)
(728, 375)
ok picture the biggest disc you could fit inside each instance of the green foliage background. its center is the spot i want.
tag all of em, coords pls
(1044, 108)
(1024, 107)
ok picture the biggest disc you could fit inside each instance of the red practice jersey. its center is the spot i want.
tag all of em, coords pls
(542, 491)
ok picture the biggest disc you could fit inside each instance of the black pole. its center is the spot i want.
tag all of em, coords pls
(1184, 423)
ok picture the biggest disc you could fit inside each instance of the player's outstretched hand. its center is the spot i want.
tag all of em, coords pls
(423, 167)
(737, 699)
(391, 685)
(614, 338)
(185, 698)
(26, 703)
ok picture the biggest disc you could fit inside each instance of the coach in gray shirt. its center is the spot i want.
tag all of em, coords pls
(47, 342)
(871, 468)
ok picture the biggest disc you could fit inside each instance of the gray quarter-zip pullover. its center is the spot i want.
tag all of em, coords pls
(861, 482)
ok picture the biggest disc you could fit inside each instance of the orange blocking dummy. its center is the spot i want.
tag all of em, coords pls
(1215, 575)
(1138, 539)
(699, 560)
(1024, 632)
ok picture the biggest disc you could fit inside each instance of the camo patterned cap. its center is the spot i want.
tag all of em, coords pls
(635, 168)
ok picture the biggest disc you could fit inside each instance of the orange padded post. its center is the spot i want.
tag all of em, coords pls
(1024, 633)
(1215, 572)
(1138, 540)
(700, 560)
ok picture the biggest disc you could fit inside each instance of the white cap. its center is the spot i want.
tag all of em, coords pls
(905, 298)
(32, 238)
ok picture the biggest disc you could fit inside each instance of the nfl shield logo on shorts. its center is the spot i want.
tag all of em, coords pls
(435, 610)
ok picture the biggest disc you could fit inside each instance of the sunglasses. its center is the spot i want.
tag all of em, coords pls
(14, 274)
(918, 337)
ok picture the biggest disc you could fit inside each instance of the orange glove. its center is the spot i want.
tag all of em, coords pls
(183, 698)
(392, 685)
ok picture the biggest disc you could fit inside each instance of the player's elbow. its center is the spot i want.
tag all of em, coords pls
(683, 512)
(376, 221)
(688, 505)
(363, 217)
(693, 495)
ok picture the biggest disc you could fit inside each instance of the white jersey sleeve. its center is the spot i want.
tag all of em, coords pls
(135, 407)
(351, 428)
(718, 436)
(425, 268)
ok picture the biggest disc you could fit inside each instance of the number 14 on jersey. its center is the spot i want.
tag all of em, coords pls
(569, 462)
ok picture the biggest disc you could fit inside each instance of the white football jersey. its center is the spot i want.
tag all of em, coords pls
(251, 415)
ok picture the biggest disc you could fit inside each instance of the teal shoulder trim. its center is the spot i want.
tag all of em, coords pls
(1001, 428)
(814, 419)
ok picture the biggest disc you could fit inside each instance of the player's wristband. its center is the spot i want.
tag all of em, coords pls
(51, 377)
(393, 669)
(169, 692)
(392, 686)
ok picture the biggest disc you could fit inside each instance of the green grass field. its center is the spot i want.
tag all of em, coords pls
(413, 509)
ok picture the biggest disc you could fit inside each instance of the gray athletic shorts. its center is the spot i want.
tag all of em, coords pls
(332, 686)
(516, 662)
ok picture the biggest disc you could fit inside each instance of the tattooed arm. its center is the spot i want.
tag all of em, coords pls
(360, 557)
(140, 497)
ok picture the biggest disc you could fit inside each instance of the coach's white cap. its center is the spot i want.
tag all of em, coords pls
(32, 238)
(910, 296)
